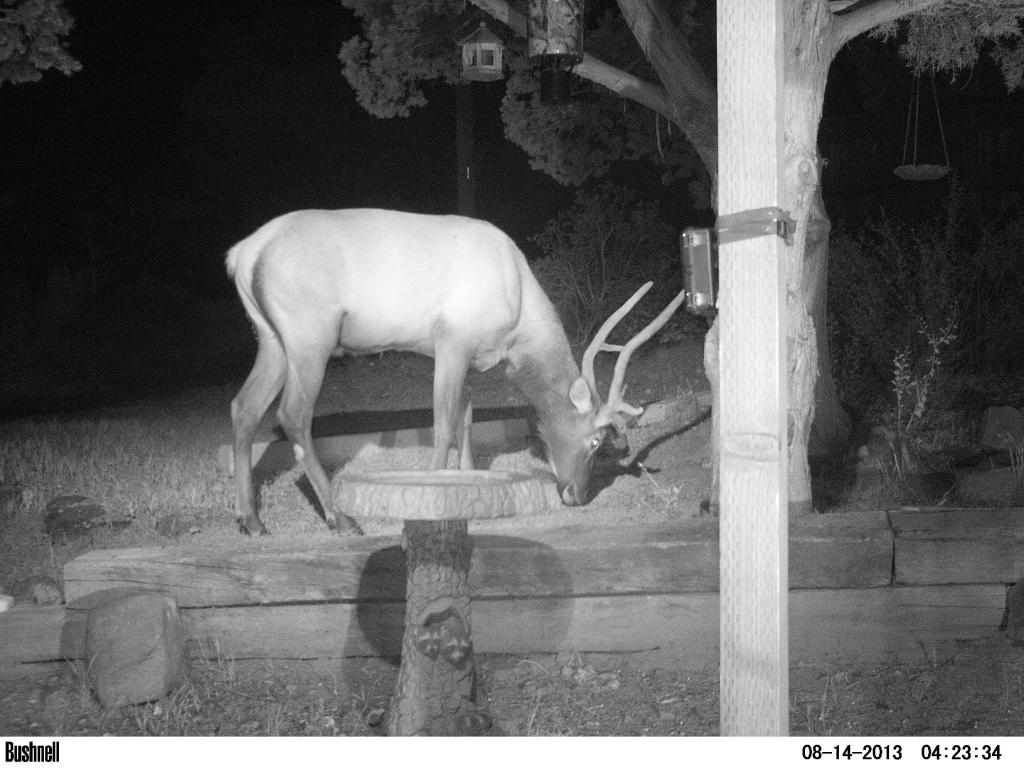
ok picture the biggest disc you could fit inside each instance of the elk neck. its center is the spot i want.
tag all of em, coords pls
(543, 369)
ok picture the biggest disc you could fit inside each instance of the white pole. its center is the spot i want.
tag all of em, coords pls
(752, 310)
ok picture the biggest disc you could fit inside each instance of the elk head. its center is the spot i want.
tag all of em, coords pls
(575, 435)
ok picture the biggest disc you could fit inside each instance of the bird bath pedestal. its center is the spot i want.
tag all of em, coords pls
(436, 690)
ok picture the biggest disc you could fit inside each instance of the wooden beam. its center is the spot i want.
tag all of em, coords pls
(861, 625)
(958, 546)
(829, 551)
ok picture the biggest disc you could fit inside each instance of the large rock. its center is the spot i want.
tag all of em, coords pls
(996, 487)
(1002, 426)
(136, 647)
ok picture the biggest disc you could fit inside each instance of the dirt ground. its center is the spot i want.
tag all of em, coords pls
(980, 691)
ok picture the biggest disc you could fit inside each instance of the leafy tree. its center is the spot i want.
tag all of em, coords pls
(33, 35)
(645, 64)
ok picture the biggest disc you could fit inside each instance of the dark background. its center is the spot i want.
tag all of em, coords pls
(192, 123)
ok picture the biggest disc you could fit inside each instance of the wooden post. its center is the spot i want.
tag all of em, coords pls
(753, 533)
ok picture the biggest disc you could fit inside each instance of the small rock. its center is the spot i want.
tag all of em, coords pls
(47, 592)
(69, 516)
(6, 603)
(1002, 426)
(568, 657)
(10, 500)
(180, 522)
(584, 674)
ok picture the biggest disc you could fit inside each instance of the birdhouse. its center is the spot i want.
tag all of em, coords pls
(554, 33)
(481, 55)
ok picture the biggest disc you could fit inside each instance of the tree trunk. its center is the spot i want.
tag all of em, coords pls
(809, 49)
(830, 429)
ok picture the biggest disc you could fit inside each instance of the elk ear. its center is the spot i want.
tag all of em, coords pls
(580, 395)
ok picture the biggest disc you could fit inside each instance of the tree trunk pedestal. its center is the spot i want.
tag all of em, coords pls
(436, 690)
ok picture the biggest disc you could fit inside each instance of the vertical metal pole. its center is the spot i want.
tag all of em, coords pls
(754, 537)
(465, 181)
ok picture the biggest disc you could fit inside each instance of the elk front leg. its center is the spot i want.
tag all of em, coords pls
(449, 379)
(253, 399)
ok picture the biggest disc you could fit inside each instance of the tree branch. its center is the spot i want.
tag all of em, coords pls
(625, 85)
(868, 14)
(691, 92)
(591, 68)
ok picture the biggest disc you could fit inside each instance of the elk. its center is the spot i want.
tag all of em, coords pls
(318, 283)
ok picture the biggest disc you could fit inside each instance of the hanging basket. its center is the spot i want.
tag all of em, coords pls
(921, 172)
(911, 170)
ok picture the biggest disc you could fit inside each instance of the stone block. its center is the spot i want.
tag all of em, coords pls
(136, 648)
(1002, 427)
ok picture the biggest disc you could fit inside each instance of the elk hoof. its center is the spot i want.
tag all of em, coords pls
(252, 526)
(344, 524)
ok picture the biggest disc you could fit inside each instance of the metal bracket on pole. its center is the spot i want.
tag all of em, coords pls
(757, 222)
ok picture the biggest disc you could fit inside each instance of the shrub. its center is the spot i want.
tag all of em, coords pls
(891, 279)
(598, 252)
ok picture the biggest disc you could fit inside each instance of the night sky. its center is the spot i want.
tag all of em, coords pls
(193, 122)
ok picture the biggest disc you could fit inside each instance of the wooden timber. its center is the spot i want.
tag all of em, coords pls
(868, 625)
(846, 551)
(860, 587)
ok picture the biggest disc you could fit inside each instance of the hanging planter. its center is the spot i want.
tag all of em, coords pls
(554, 32)
(913, 170)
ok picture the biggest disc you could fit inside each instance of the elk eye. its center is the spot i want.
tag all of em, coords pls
(595, 442)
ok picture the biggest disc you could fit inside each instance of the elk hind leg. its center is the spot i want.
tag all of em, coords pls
(464, 432)
(251, 402)
(305, 375)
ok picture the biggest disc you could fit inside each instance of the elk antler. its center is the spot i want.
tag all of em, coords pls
(615, 404)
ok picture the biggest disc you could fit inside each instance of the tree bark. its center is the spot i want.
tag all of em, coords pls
(809, 53)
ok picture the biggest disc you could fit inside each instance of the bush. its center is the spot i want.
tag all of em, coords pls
(598, 252)
(893, 279)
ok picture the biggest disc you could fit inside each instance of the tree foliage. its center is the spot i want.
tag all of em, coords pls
(33, 34)
(408, 43)
(952, 35)
(592, 253)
